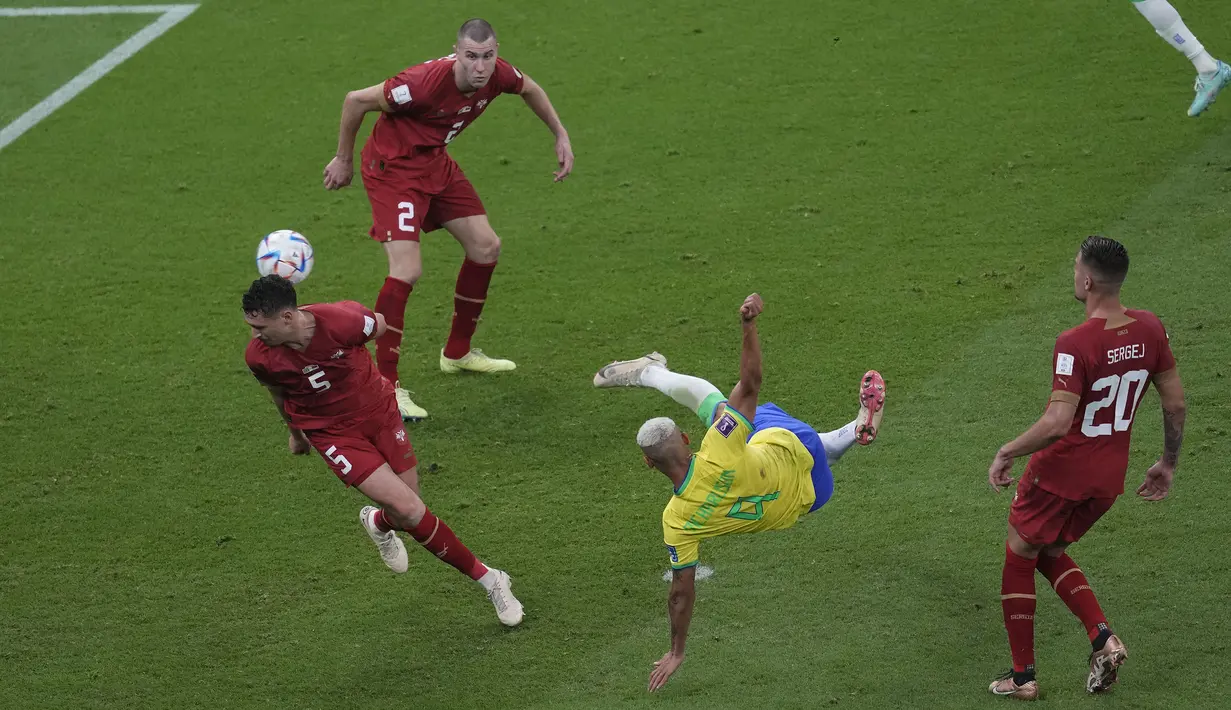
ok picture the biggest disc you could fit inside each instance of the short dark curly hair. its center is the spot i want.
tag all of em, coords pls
(1105, 257)
(269, 296)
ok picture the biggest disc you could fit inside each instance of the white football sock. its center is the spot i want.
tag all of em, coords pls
(1167, 23)
(838, 441)
(687, 390)
(488, 580)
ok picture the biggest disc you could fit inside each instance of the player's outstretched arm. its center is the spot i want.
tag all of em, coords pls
(744, 396)
(298, 441)
(1157, 483)
(536, 98)
(1049, 429)
(340, 170)
(679, 607)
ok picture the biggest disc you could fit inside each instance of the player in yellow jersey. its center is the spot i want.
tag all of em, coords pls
(757, 469)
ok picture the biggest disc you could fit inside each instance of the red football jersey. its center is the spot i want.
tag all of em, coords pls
(333, 381)
(1110, 370)
(427, 111)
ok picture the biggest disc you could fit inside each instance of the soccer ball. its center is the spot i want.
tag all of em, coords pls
(286, 253)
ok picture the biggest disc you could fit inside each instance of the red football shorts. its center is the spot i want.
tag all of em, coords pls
(412, 198)
(1043, 518)
(354, 452)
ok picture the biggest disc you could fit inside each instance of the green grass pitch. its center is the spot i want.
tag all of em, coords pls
(905, 183)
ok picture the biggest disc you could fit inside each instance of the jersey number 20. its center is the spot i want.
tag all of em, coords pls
(1120, 389)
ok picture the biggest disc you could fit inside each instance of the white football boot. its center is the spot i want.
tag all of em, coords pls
(410, 411)
(392, 551)
(508, 608)
(474, 361)
(627, 373)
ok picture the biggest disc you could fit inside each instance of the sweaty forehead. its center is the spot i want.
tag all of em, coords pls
(469, 45)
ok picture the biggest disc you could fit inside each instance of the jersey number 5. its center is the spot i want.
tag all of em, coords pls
(1119, 389)
(338, 460)
(318, 380)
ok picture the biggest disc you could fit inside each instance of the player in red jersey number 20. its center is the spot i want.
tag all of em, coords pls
(314, 362)
(414, 186)
(1080, 447)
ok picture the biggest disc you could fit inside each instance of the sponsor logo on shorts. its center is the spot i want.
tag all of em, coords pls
(725, 425)
(1064, 364)
(401, 94)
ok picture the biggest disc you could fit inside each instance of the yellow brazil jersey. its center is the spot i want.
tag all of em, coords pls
(738, 485)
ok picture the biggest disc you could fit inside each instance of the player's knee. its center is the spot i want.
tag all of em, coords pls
(485, 250)
(407, 270)
(407, 511)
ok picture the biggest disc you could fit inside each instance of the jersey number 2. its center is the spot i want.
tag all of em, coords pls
(457, 128)
(406, 216)
(1119, 389)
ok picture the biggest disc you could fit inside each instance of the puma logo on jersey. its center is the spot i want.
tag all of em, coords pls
(482, 103)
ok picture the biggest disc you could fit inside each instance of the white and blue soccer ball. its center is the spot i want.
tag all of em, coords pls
(286, 253)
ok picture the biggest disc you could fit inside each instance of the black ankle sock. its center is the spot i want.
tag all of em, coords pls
(1099, 641)
(1024, 677)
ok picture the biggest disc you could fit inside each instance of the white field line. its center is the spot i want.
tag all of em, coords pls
(91, 10)
(170, 16)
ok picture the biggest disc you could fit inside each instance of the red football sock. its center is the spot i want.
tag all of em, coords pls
(381, 523)
(433, 534)
(1018, 601)
(1071, 585)
(468, 299)
(391, 303)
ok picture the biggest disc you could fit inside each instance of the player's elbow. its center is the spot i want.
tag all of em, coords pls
(1175, 406)
(1057, 428)
(361, 100)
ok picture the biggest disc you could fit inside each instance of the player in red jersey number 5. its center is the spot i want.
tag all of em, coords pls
(414, 186)
(1080, 447)
(314, 362)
